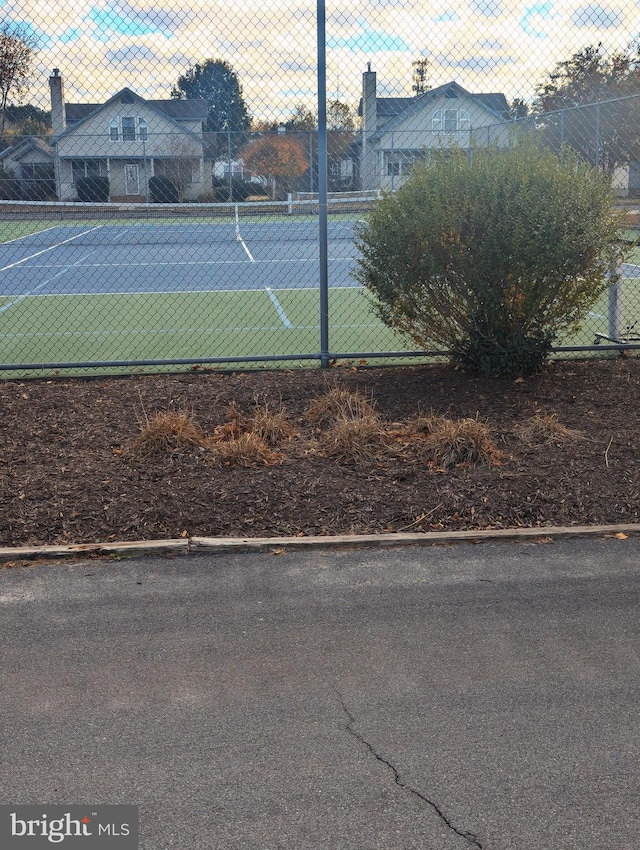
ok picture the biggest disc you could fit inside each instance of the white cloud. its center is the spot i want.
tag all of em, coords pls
(486, 45)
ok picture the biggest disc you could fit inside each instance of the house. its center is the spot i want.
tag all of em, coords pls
(128, 140)
(398, 131)
(31, 162)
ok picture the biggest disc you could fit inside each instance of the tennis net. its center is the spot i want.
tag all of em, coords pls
(178, 224)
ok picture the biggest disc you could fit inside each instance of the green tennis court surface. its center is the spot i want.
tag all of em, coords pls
(191, 325)
(164, 326)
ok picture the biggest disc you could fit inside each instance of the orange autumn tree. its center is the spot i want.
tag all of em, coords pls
(278, 157)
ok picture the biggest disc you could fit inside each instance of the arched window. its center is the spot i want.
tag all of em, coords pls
(113, 130)
(143, 130)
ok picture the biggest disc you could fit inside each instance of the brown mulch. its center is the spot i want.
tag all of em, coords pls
(68, 473)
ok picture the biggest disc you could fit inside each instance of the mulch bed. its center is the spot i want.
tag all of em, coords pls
(67, 474)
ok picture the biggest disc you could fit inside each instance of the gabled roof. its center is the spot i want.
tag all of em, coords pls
(26, 144)
(391, 111)
(174, 110)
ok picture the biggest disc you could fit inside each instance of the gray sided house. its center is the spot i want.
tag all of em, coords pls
(128, 140)
(399, 131)
(31, 162)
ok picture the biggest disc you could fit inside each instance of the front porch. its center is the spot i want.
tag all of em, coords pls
(129, 180)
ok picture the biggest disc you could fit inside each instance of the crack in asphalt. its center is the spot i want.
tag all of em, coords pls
(469, 837)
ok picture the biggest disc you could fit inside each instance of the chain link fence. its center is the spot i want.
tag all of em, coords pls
(183, 187)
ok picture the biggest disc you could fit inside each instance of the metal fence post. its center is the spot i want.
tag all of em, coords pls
(322, 185)
(615, 303)
(229, 166)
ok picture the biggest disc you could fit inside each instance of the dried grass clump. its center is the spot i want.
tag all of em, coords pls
(233, 426)
(425, 423)
(461, 441)
(247, 449)
(338, 404)
(270, 425)
(545, 428)
(165, 433)
(360, 440)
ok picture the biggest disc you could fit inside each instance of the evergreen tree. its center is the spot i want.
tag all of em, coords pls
(216, 82)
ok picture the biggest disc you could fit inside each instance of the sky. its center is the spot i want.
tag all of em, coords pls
(101, 46)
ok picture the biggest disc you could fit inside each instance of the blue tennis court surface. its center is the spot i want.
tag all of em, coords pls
(107, 258)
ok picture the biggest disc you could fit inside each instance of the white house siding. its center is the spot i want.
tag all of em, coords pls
(414, 136)
(91, 140)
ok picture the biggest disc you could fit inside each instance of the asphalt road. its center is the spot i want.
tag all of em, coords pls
(438, 698)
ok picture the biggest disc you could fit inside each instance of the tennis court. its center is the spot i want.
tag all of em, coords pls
(143, 286)
(154, 288)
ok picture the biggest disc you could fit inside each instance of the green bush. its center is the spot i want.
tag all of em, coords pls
(94, 188)
(491, 254)
(10, 189)
(162, 190)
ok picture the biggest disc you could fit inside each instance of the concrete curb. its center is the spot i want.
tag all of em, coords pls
(194, 545)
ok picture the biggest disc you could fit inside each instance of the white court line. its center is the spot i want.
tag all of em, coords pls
(51, 247)
(279, 262)
(240, 239)
(279, 308)
(31, 292)
(247, 251)
(27, 235)
(165, 331)
(185, 291)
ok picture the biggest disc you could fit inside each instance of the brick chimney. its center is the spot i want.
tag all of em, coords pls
(58, 117)
(368, 171)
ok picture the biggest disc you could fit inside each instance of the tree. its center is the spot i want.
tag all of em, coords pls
(278, 157)
(17, 52)
(419, 83)
(585, 103)
(216, 82)
(340, 117)
(302, 119)
(491, 256)
(519, 109)
(27, 120)
(341, 132)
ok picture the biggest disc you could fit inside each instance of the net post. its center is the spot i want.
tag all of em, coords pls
(322, 185)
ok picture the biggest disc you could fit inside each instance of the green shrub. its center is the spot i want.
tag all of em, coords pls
(10, 189)
(162, 190)
(94, 188)
(491, 254)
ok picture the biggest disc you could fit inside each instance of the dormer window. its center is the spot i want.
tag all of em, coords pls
(128, 128)
(450, 121)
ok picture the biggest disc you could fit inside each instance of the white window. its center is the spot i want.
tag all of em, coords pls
(450, 121)
(128, 128)
(86, 168)
(401, 161)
